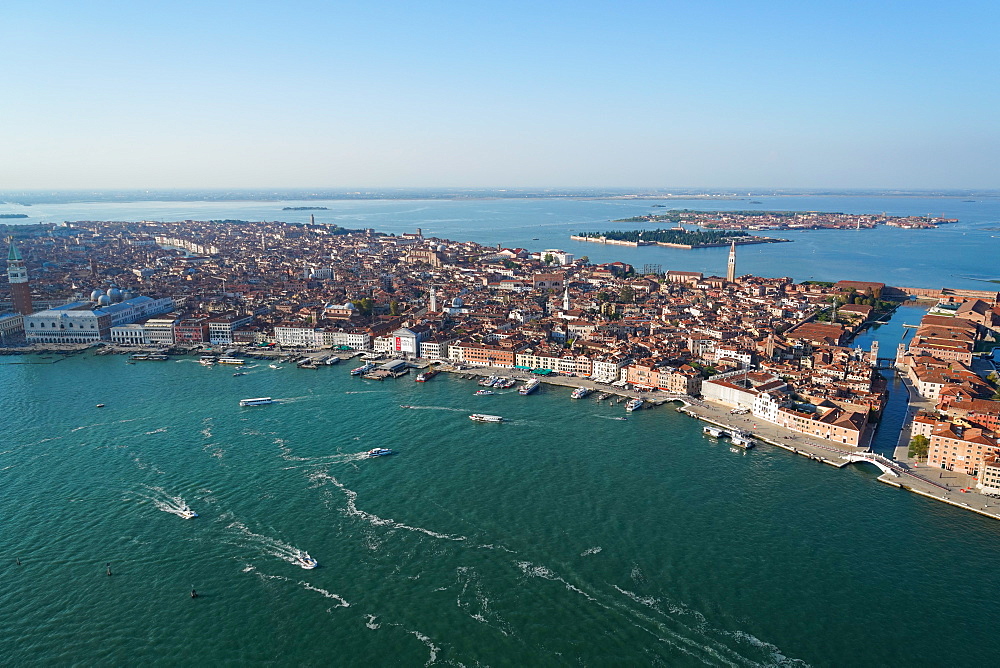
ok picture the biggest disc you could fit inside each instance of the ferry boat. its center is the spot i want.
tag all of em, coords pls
(741, 439)
(485, 393)
(580, 393)
(479, 417)
(187, 513)
(305, 561)
(379, 452)
(331, 360)
(361, 370)
(714, 431)
(426, 375)
(231, 360)
(530, 386)
(157, 357)
(633, 405)
(259, 401)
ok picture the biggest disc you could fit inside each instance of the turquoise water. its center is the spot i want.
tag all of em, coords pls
(958, 256)
(561, 537)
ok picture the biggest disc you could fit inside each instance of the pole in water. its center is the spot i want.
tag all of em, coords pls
(194, 594)
(109, 568)
(19, 561)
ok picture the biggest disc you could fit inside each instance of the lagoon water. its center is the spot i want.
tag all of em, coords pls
(561, 537)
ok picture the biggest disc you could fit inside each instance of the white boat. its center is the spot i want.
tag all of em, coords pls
(379, 452)
(207, 361)
(633, 405)
(479, 417)
(484, 393)
(361, 370)
(305, 561)
(530, 386)
(274, 366)
(231, 360)
(741, 439)
(331, 360)
(259, 401)
(488, 381)
(714, 431)
(187, 513)
(580, 393)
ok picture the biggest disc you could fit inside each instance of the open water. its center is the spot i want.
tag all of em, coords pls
(561, 537)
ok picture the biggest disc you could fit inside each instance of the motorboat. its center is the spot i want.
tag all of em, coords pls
(187, 513)
(484, 393)
(580, 392)
(259, 401)
(379, 452)
(633, 405)
(530, 386)
(303, 559)
(240, 373)
(480, 417)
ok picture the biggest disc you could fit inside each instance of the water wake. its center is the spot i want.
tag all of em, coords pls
(320, 478)
(266, 544)
(341, 602)
(159, 497)
(591, 550)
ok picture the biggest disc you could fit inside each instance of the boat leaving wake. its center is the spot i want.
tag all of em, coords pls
(266, 544)
(174, 505)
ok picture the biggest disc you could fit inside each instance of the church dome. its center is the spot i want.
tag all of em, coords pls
(95, 295)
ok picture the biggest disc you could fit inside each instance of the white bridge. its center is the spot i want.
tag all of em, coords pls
(886, 465)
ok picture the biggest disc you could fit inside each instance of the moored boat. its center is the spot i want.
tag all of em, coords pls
(633, 405)
(580, 393)
(529, 386)
(480, 417)
(361, 370)
(714, 431)
(742, 439)
(235, 361)
(426, 375)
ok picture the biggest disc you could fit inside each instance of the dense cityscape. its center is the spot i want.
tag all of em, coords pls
(766, 346)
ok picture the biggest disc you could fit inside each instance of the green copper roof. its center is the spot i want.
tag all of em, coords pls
(13, 255)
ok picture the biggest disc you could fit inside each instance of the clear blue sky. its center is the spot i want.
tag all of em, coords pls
(493, 94)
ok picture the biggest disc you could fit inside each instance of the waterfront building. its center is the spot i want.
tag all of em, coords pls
(958, 446)
(85, 322)
(17, 275)
(221, 328)
(11, 328)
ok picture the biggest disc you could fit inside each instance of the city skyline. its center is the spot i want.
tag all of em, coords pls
(445, 95)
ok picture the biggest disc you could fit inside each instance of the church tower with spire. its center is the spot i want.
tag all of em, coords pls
(17, 274)
(731, 268)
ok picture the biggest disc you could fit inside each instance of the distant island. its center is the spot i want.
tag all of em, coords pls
(13, 215)
(786, 220)
(305, 208)
(674, 238)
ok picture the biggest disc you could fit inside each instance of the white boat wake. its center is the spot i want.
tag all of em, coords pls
(266, 544)
(319, 478)
(159, 497)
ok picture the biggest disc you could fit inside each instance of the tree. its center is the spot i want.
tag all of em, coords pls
(585, 259)
(918, 446)
(393, 307)
(626, 295)
(548, 259)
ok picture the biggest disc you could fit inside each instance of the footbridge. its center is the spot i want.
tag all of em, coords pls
(886, 465)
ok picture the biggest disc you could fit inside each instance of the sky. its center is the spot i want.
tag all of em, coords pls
(710, 94)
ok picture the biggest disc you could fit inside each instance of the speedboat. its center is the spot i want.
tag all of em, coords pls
(187, 513)
(240, 373)
(305, 561)
(479, 417)
(619, 418)
(380, 452)
(274, 366)
(484, 393)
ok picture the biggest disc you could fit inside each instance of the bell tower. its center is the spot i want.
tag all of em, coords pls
(17, 274)
(731, 268)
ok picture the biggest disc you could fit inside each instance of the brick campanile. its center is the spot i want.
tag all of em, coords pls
(17, 274)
